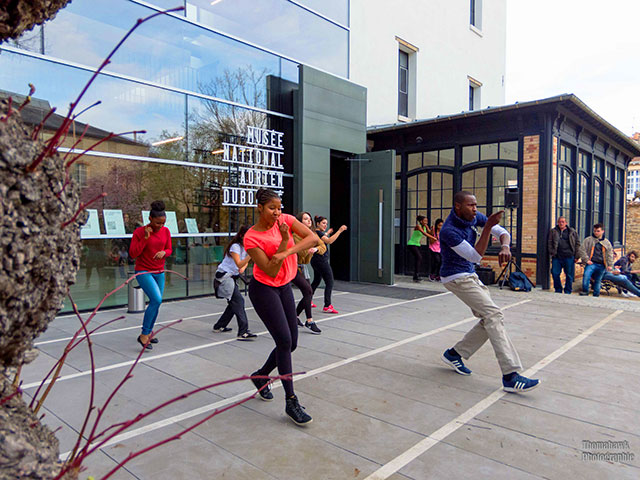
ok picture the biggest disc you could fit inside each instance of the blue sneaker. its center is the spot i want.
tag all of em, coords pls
(519, 384)
(455, 362)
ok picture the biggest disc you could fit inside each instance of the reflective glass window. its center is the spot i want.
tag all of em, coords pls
(509, 151)
(280, 26)
(447, 157)
(618, 207)
(470, 154)
(415, 161)
(165, 50)
(606, 220)
(489, 151)
(582, 225)
(337, 10)
(597, 203)
(430, 159)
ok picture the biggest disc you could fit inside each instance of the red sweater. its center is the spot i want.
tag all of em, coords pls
(143, 249)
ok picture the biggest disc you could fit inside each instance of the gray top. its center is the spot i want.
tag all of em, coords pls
(228, 264)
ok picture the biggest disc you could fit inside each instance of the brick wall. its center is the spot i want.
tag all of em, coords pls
(633, 226)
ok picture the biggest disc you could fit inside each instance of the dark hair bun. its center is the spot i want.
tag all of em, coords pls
(158, 205)
(263, 195)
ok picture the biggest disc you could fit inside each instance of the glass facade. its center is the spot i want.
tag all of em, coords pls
(433, 176)
(186, 83)
(590, 190)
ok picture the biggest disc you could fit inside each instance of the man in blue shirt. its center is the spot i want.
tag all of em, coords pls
(459, 254)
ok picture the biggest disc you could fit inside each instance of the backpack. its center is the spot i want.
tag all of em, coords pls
(519, 282)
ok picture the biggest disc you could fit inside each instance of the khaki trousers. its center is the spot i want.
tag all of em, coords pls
(476, 296)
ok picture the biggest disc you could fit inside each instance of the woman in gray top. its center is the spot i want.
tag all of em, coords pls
(233, 264)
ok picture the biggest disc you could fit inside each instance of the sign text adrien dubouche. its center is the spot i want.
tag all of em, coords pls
(259, 164)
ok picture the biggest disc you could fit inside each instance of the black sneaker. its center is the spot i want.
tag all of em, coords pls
(221, 329)
(313, 327)
(300, 324)
(265, 394)
(247, 336)
(296, 412)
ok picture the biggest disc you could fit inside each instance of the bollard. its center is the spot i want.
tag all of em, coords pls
(136, 299)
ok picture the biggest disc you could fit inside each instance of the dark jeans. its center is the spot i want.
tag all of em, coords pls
(277, 310)
(436, 263)
(322, 271)
(569, 267)
(307, 294)
(597, 270)
(622, 281)
(235, 306)
(417, 260)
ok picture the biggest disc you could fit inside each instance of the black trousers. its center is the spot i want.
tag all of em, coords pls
(436, 263)
(417, 260)
(277, 309)
(322, 271)
(307, 294)
(235, 306)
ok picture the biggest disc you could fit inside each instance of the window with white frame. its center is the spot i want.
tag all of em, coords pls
(633, 183)
(475, 13)
(403, 83)
(474, 93)
(407, 57)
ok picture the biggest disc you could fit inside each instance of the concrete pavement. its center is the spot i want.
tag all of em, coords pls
(384, 405)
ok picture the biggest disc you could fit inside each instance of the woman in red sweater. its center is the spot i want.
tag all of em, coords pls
(273, 251)
(150, 246)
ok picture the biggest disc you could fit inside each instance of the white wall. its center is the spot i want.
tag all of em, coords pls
(449, 51)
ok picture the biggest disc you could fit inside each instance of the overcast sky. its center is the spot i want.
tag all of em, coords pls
(590, 48)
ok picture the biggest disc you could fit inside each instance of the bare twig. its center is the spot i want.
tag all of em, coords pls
(82, 207)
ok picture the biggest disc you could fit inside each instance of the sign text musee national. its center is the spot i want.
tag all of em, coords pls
(259, 164)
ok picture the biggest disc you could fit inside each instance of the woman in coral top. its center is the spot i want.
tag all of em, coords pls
(270, 245)
(150, 246)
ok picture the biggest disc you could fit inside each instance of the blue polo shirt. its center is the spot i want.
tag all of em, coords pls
(455, 231)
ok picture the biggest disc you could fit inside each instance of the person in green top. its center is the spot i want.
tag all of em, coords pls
(413, 245)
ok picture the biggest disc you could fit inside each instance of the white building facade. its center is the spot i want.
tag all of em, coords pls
(424, 58)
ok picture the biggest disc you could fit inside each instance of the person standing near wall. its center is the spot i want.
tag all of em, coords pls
(459, 254)
(320, 263)
(272, 249)
(434, 247)
(598, 255)
(420, 230)
(150, 246)
(233, 265)
(301, 279)
(565, 251)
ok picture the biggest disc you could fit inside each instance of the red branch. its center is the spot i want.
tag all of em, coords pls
(125, 425)
(93, 375)
(4, 118)
(86, 127)
(82, 207)
(108, 137)
(27, 100)
(70, 346)
(9, 397)
(36, 130)
(92, 437)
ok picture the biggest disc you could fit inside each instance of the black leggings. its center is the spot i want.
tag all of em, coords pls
(322, 271)
(417, 260)
(436, 262)
(307, 294)
(277, 310)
